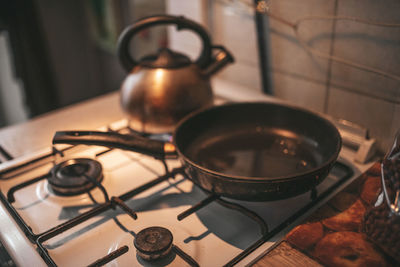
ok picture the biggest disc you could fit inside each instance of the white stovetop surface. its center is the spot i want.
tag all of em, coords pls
(122, 168)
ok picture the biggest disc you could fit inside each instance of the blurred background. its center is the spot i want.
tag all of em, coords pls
(57, 53)
(54, 54)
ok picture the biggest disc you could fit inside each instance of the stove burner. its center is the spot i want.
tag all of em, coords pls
(75, 176)
(153, 243)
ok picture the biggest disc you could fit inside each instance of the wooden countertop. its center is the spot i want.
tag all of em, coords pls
(36, 134)
(285, 255)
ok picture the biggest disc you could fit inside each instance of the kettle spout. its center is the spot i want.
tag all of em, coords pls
(222, 58)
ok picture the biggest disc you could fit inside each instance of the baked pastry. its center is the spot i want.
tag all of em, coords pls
(342, 201)
(375, 170)
(306, 235)
(348, 220)
(324, 212)
(347, 249)
(370, 190)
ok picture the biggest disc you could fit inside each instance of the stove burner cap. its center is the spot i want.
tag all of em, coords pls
(153, 243)
(73, 176)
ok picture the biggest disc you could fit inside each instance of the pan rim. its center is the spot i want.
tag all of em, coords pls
(237, 178)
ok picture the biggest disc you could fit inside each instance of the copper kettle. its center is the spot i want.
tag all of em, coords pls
(162, 88)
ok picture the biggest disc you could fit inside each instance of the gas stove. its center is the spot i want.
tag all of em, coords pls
(88, 205)
(81, 205)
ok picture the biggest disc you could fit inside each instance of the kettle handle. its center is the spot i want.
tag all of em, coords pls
(182, 23)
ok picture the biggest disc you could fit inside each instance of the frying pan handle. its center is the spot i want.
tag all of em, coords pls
(155, 148)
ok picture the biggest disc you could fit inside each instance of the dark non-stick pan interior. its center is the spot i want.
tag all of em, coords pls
(258, 140)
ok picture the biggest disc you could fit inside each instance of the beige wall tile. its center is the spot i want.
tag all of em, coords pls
(234, 28)
(373, 46)
(305, 93)
(191, 9)
(236, 31)
(243, 74)
(286, 53)
(186, 42)
(374, 114)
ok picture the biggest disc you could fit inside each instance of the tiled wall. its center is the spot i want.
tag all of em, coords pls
(366, 98)
(316, 83)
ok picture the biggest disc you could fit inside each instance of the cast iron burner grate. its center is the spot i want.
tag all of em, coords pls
(75, 176)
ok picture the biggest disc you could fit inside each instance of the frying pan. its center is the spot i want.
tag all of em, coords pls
(246, 151)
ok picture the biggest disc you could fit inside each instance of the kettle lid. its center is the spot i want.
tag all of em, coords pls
(165, 59)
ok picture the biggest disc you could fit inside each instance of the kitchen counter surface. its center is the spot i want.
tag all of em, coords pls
(36, 134)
